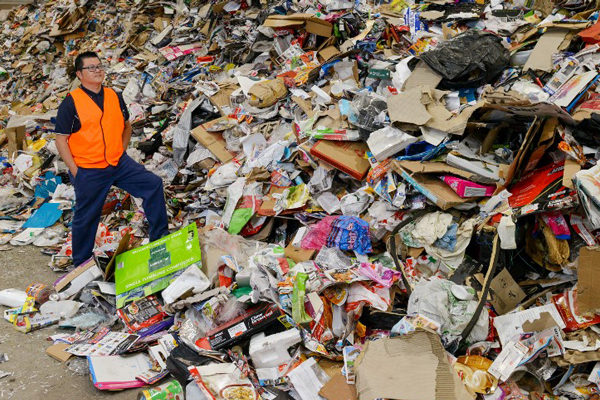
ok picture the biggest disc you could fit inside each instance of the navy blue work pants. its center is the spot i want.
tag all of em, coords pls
(91, 188)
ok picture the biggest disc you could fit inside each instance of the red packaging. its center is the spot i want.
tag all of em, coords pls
(566, 304)
(591, 34)
(142, 313)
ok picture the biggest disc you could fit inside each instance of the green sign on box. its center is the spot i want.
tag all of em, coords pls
(155, 260)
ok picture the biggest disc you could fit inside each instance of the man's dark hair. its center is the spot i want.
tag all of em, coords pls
(80, 57)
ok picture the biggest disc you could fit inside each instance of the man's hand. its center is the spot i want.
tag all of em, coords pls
(62, 144)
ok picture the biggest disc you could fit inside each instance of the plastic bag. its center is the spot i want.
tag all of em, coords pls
(469, 60)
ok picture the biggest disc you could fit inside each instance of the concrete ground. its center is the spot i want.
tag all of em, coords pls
(36, 376)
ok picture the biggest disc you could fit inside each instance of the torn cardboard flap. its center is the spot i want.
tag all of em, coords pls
(332, 119)
(311, 23)
(543, 322)
(513, 103)
(567, 24)
(328, 53)
(570, 169)
(214, 142)
(423, 106)
(338, 389)
(506, 293)
(16, 140)
(432, 167)
(588, 280)
(422, 75)
(417, 365)
(222, 98)
(433, 188)
(547, 45)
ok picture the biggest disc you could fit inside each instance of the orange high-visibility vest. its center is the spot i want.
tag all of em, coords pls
(99, 141)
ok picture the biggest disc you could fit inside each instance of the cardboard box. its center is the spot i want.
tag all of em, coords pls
(214, 142)
(348, 157)
(58, 352)
(75, 280)
(328, 53)
(157, 259)
(242, 327)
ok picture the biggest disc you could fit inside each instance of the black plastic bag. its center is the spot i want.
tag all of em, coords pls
(584, 132)
(181, 358)
(469, 60)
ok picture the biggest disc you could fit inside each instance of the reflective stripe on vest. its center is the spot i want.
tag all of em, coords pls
(99, 141)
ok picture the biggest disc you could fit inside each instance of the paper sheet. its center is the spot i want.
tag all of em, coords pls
(511, 324)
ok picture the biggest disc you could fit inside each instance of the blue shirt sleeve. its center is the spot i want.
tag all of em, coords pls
(123, 106)
(67, 120)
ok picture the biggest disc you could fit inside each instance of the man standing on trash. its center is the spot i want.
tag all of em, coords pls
(93, 131)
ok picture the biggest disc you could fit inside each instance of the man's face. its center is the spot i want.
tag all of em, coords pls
(90, 73)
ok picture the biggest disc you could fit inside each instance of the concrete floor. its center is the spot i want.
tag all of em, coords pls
(36, 376)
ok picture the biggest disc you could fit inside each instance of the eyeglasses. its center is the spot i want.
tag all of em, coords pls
(94, 68)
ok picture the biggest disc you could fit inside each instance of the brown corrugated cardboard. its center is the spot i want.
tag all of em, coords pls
(570, 169)
(338, 389)
(433, 188)
(213, 142)
(311, 23)
(222, 97)
(318, 27)
(16, 140)
(431, 167)
(348, 157)
(543, 143)
(65, 280)
(57, 351)
(506, 293)
(409, 367)
(422, 75)
(423, 105)
(548, 44)
(297, 254)
(328, 53)
(588, 280)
